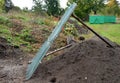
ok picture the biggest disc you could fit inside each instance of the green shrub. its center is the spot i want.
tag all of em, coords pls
(70, 30)
(4, 20)
(27, 36)
(40, 22)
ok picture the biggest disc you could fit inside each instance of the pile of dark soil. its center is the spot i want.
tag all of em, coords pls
(12, 63)
(8, 50)
(91, 61)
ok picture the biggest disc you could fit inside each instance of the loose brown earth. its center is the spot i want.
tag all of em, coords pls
(91, 61)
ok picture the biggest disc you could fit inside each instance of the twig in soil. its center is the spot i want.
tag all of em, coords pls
(62, 48)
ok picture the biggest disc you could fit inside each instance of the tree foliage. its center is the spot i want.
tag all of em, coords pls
(38, 7)
(97, 5)
(112, 7)
(1, 5)
(85, 7)
(52, 7)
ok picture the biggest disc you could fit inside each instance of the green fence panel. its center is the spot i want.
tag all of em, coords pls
(110, 19)
(96, 19)
(102, 19)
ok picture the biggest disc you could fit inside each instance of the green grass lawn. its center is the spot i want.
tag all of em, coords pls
(111, 31)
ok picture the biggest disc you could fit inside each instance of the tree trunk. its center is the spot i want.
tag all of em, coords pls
(95, 12)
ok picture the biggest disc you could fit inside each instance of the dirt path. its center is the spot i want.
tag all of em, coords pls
(10, 72)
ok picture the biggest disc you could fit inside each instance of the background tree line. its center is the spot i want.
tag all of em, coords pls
(96, 7)
(83, 10)
(51, 7)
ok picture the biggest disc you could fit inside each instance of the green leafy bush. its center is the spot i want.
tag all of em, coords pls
(70, 30)
(4, 20)
(27, 36)
(1, 5)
